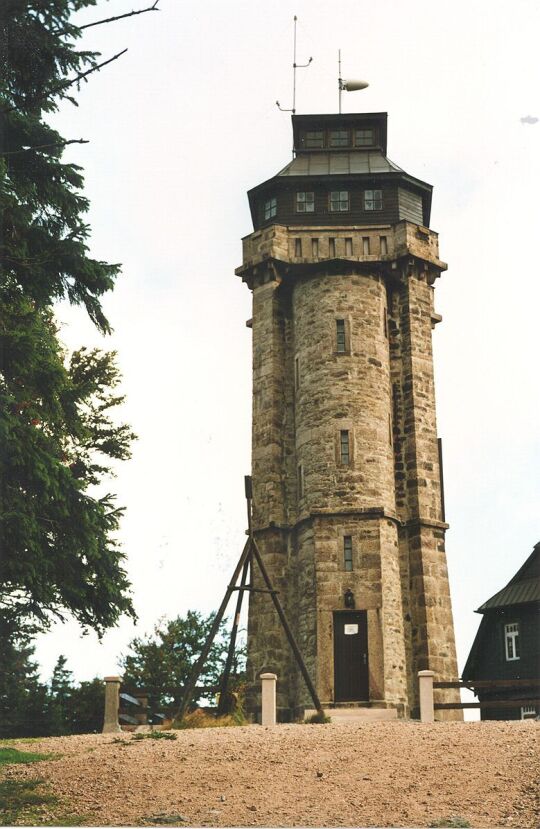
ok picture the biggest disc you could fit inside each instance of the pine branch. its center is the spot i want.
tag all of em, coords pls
(153, 8)
(61, 86)
(45, 146)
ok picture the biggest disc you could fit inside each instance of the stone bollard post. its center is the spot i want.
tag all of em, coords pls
(425, 682)
(112, 700)
(268, 694)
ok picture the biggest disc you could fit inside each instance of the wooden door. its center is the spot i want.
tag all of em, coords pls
(351, 677)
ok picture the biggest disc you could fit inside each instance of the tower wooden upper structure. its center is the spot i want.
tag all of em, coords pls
(348, 505)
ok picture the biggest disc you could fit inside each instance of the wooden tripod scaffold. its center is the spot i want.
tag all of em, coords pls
(250, 555)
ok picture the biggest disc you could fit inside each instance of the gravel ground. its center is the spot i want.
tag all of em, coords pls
(368, 774)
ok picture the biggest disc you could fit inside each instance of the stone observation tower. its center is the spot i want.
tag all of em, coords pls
(346, 464)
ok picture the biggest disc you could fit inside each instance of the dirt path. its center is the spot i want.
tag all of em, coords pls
(372, 774)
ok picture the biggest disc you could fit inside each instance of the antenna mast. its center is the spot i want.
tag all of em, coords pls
(340, 80)
(295, 67)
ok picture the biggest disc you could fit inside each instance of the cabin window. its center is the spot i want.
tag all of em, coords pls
(270, 208)
(341, 345)
(298, 247)
(300, 474)
(339, 138)
(314, 140)
(372, 199)
(384, 245)
(348, 246)
(511, 641)
(363, 138)
(344, 448)
(339, 201)
(365, 245)
(331, 247)
(305, 202)
(315, 248)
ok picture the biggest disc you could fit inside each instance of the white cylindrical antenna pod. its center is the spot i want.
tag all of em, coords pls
(353, 86)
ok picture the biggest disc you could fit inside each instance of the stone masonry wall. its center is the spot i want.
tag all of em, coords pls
(387, 498)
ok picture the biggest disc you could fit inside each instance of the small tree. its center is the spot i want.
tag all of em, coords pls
(161, 664)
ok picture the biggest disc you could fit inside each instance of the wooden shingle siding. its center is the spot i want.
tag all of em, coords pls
(410, 206)
(322, 215)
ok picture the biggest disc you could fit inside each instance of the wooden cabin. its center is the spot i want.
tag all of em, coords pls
(507, 647)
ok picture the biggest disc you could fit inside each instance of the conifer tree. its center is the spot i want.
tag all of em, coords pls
(58, 553)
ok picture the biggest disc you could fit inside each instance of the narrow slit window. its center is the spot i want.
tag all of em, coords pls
(315, 248)
(305, 202)
(365, 245)
(298, 247)
(347, 552)
(300, 481)
(339, 201)
(344, 447)
(384, 245)
(372, 199)
(385, 322)
(340, 336)
(511, 641)
(348, 246)
(270, 208)
(331, 247)
(297, 372)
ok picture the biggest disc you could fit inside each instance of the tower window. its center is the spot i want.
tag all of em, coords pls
(315, 248)
(339, 138)
(270, 208)
(365, 245)
(341, 344)
(305, 202)
(347, 552)
(511, 641)
(298, 247)
(300, 474)
(344, 447)
(384, 245)
(331, 247)
(314, 140)
(363, 138)
(348, 246)
(339, 201)
(372, 199)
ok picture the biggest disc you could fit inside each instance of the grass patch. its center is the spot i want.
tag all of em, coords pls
(154, 735)
(19, 800)
(454, 822)
(9, 755)
(317, 718)
(200, 719)
(28, 803)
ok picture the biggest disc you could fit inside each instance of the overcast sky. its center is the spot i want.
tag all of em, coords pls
(179, 128)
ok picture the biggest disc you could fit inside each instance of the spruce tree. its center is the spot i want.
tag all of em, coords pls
(58, 551)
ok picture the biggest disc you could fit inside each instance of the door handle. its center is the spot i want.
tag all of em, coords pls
(365, 658)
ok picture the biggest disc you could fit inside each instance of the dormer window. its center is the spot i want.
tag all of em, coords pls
(270, 208)
(363, 138)
(339, 138)
(314, 140)
(339, 201)
(372, 199)
(305, 202)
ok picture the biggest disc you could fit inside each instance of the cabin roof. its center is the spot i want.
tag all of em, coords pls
(522, 588)
(339, 163)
